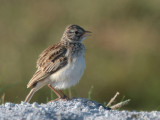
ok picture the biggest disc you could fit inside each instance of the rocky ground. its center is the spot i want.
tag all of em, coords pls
(78, 108)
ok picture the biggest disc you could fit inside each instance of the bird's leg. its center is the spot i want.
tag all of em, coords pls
(59, 96)
(64, 96)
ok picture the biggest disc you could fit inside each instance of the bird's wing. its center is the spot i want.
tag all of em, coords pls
(50, 60)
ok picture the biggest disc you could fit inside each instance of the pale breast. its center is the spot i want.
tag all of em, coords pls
(70, 74)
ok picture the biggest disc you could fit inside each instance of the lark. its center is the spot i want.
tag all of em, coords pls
(61, 65)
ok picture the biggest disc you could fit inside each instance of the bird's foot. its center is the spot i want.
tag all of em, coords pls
(64, 98)
(54, 100)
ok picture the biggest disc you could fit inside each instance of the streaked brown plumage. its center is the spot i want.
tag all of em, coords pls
(55, 58)
(50, 60)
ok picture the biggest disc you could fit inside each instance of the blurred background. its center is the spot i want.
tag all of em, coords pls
(123, 53)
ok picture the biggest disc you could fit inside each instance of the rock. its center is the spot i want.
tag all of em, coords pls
(77, 108)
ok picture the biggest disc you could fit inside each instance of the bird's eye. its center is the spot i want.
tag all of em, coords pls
(76, 32)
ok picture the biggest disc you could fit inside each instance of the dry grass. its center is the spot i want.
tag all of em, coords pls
(118, 105)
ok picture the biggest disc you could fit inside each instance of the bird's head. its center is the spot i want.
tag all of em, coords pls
(75, 33)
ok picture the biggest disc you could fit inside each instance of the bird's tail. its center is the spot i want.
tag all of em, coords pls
(29, 96)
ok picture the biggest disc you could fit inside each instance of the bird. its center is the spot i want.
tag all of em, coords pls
(61, 65)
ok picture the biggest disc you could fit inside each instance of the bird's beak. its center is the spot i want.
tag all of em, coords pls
(87, 33)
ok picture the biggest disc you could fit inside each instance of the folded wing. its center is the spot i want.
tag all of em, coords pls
(50, 60)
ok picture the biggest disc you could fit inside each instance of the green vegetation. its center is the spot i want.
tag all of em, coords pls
(90, 92)
(123, 54)
(2, 99)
